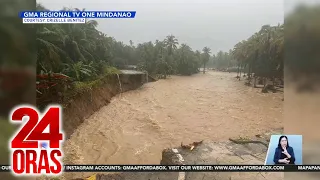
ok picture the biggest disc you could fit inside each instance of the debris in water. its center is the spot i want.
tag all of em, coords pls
(191, 146)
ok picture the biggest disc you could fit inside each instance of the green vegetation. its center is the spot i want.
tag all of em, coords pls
(80, 87)
(205, 57)
(302, 42)
(261, 55)
(263, 52)
(83, 54)
(223, 60)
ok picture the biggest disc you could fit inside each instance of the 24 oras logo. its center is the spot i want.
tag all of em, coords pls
(35, 147)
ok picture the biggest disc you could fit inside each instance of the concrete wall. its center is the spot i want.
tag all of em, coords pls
(132, 81)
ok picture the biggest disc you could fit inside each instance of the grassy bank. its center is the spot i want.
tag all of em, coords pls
(67, 88)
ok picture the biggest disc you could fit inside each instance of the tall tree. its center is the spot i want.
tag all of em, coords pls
(205, 57)
(171, 42)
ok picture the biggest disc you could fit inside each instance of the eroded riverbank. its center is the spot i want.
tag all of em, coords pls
(137, 125)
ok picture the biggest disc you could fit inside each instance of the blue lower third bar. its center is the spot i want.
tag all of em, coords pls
(53, 20)
(77, 14)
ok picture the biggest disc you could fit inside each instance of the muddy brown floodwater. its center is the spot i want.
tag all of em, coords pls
(137, 125)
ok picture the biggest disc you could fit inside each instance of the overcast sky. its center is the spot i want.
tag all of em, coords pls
(218, 24)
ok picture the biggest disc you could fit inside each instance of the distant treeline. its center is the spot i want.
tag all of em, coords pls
(83, 53)
(262, 54)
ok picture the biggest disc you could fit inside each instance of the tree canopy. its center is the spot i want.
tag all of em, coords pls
(262, 54)
(83, 53)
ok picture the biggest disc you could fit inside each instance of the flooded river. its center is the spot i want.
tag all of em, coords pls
(137, 125)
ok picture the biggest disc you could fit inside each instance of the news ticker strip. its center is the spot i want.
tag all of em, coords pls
(187, 168)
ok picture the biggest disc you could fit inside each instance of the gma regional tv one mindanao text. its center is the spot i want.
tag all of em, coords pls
(32, 17)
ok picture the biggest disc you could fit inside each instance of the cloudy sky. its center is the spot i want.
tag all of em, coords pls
(218, 24)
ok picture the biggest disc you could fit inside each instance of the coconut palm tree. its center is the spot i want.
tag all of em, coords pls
(171, 42)
(205, 57)
(262, 53)
(82, 52)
